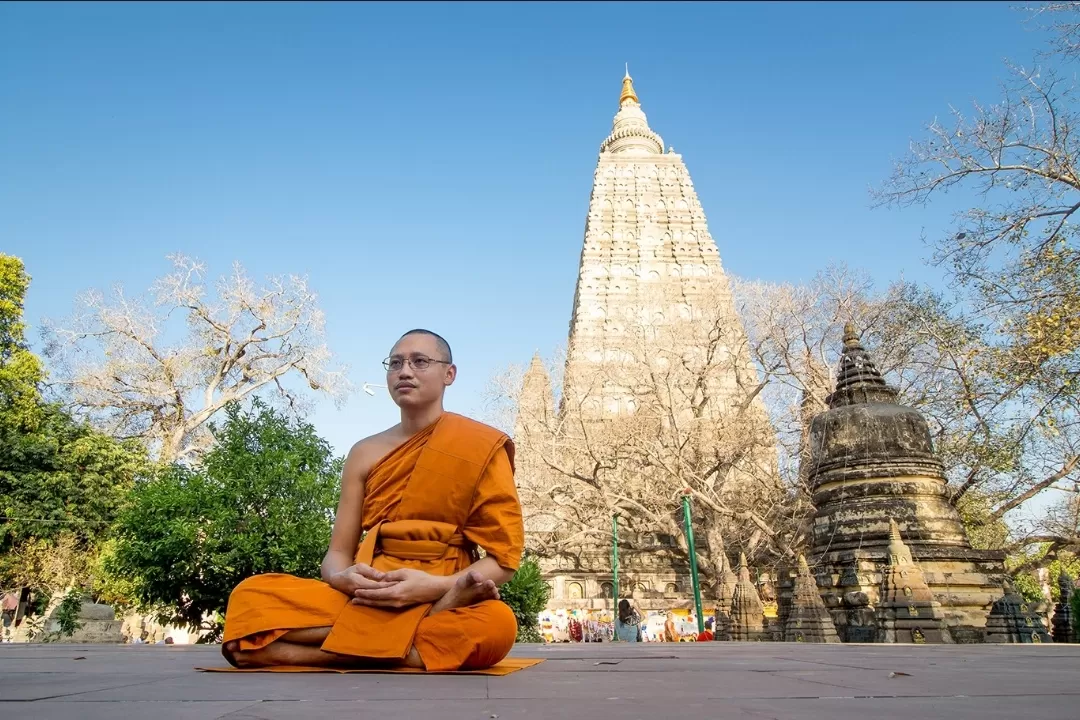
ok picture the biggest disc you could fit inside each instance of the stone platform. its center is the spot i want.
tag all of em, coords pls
(785, 681)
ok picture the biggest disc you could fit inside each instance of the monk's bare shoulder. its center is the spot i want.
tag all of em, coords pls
(364, 454)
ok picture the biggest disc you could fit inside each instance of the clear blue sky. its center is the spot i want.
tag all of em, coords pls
(430, 165)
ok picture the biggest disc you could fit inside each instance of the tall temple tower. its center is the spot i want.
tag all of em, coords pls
(649, 277)
(647, 257)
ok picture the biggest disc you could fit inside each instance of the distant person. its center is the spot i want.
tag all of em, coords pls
(628, 623)
(10, 607)
(671, 634)
(706, 635)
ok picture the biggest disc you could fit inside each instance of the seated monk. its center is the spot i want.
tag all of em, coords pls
(402, 582)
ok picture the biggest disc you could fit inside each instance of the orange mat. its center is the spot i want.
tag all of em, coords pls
(507, 666)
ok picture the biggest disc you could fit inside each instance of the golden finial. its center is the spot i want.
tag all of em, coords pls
(627, 89)
(851, 338)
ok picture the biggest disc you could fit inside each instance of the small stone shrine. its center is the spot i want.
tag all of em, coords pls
(1012, 621)
(906, 610)
(872, 460)
(747, 613)
(1063, 622)
(97, 624)
(807, 618)
(725, 597)
(785, 590)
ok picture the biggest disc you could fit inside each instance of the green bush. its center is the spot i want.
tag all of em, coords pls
(262, 502)
(527, 594)
(1028, 586)
(67, 614)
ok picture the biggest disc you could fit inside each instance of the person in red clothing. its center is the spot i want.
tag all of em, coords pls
(707, 634)
(577, 633)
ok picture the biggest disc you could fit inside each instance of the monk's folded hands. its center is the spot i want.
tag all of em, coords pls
(408, 587)
(359, 577)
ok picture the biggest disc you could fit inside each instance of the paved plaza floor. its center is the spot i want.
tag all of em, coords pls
(594, 681)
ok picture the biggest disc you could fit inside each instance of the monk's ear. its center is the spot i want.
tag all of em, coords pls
(451, 373)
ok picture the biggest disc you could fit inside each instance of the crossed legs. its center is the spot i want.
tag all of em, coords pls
(303, 646)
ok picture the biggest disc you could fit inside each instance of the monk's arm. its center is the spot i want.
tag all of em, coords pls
(488, 568)
(346, 534)
(495, 522)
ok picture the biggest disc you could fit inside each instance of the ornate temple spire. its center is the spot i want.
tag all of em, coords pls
(858, 380)
(628, 94)
(630, 132)
(899, 553)
(536, 405)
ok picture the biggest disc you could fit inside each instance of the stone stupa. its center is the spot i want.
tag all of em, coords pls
(1011, 620)
(725, 597)
(747, 612)
(906, 609)
(1063, 622)
(872, 462)
(807, 618)
(96, 624)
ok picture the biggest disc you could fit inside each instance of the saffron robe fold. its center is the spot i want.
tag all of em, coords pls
(428, 504)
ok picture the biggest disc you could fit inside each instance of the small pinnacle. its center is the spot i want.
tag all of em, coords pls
(803, 567)
(894, 530)
(851, 337)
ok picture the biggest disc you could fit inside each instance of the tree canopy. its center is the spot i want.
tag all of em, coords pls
(61, 481)
(262, 501)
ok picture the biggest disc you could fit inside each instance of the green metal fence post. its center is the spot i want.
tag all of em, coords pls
(693, 563)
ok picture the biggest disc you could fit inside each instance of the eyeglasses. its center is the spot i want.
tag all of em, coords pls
(418, 363)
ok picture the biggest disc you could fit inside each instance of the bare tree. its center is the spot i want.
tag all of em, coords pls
(1003, 439)
(794, 336)
(158, 369)
(671, 409)
(1008, 345)
(1064, 19)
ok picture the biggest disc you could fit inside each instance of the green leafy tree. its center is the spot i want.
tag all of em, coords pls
(61, 481)
(527, 594)
(1024, 567)
(1028, 586)
(262, 502)
(20, 370)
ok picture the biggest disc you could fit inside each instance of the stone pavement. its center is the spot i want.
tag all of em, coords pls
(709, 680)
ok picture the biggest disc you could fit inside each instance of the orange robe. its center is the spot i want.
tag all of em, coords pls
(428, 504)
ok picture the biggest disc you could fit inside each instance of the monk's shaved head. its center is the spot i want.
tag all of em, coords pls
(440, 342)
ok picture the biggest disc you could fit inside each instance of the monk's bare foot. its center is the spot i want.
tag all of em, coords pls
(413, 659)
(286, 653)
(469, 589)
(229, 650)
